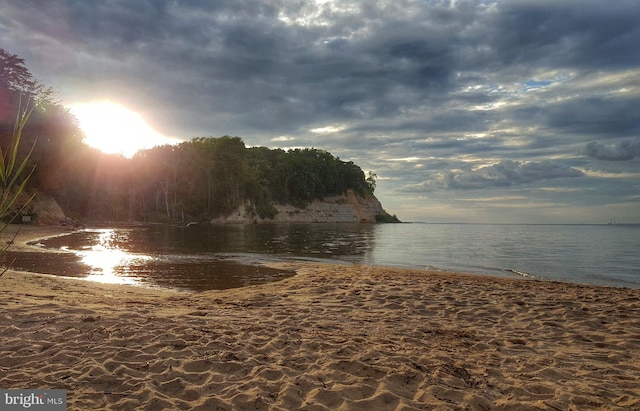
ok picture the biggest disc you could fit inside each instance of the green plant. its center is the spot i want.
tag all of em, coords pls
(386, 218)
(12, 175)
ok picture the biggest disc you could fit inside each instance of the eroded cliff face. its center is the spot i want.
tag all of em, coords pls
(43, 209)
(346, 208)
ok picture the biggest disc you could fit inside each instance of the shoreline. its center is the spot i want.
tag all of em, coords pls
(29, 234)
(330, 337)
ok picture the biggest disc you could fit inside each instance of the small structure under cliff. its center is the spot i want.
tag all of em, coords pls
(345, 208)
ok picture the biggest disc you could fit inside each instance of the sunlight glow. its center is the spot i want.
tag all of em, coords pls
(115, 129)
(105, 257)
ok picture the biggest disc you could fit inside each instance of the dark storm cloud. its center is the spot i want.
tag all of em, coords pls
(571, 33)
(618, 117)
(503, 174)
(454, 84)
(239, 58)
(621, 151)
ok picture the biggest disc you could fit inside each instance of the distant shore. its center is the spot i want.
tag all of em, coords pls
(332, 337)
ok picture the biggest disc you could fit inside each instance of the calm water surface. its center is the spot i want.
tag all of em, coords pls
(217, 257)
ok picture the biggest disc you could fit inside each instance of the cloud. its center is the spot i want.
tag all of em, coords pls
(502, 174)
(569, 34)
(284, 67)
(622, 151)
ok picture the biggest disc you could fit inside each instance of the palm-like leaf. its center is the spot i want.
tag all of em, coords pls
(12, 171)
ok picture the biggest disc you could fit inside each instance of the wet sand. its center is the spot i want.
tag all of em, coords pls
(332, 337)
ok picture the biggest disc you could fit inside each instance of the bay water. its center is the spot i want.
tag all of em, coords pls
(204, 257)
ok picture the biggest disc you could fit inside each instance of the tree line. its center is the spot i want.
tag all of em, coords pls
(198, 179)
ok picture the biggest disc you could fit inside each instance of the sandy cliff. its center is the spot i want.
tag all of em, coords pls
(43, 209)
(346, 208)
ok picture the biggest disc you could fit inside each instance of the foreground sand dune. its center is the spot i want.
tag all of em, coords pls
(332, 337)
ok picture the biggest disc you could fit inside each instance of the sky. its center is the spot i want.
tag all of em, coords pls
(523, 111)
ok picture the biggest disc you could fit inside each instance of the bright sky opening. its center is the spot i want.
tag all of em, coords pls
(115, 129)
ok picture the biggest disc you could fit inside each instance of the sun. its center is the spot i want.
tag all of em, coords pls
(115, 129)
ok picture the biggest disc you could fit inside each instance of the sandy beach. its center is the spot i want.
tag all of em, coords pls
(333, 337)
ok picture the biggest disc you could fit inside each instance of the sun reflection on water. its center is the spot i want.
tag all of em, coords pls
(108, 262)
